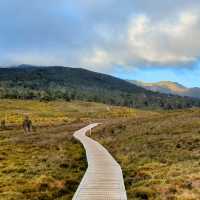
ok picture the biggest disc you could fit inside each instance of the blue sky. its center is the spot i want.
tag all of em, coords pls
(187, 77)
(132, 39)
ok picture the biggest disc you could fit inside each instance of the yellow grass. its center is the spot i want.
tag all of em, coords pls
(159, 153)
(58, 112)
(48, 164)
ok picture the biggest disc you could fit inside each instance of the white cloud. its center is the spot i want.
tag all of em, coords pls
(165, 42)
(100, 35)
(99, 57)
(168, 41)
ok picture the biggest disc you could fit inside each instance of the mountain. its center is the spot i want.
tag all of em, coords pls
(193, 92)
(169, 88)
(57, 82)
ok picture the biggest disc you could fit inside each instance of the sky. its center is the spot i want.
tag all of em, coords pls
(131, 39)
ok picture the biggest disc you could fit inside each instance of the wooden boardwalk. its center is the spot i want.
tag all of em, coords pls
(103, 179)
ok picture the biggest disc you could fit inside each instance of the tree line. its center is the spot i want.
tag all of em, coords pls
(118, 98)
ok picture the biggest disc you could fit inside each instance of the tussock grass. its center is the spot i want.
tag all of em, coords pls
(159, 153)
(58, 112)
(48, 164)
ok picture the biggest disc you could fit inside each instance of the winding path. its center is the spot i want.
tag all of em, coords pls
(103, 179)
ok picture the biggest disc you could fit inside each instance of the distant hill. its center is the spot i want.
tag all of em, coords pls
(168, 87)
(51, 83)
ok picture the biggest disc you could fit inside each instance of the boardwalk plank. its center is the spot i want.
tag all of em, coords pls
(103, 179)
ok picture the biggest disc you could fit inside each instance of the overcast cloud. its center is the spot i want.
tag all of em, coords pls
(100, 35)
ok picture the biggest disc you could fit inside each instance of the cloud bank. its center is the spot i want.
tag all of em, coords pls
(100, 35)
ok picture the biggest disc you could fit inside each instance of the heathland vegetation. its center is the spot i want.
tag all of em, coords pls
(158, 150)
(47, 164)
(159, 153)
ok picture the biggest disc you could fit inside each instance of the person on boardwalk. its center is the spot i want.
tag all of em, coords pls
(27, 125)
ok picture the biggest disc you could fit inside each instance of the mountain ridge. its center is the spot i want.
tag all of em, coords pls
(58, 82)
(169, 87)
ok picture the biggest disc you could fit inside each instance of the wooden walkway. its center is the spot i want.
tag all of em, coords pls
(103, 179)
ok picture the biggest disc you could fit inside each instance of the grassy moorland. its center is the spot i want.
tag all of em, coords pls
(47, 164)
(159, 153)
(59, 112)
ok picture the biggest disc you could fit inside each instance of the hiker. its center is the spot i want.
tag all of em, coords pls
(27, 125)
(3, 124)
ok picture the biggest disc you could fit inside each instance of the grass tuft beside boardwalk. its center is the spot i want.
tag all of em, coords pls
(48, 164)
(159, 154)
(158, 151)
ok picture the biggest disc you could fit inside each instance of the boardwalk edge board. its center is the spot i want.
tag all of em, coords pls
(103, 179)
